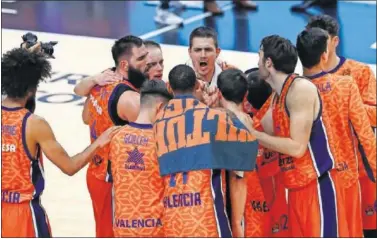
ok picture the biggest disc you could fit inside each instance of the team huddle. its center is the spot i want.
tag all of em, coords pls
(213, 152)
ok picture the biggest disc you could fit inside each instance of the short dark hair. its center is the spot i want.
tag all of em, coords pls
(152, 89)
(182, 78)
(282, 53)
(311, 44)
(325, 22)
(204, 32)
(21, 72)
(123, 47)
(259, 90)
(150, 43)
(232, 85)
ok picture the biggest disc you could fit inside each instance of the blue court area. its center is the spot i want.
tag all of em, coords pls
(238, 30)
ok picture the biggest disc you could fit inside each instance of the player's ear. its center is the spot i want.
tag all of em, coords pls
(124, 65)
(335, 41)
(218, 51)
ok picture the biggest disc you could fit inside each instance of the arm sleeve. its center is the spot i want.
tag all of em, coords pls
(366, 82)
(364, 133)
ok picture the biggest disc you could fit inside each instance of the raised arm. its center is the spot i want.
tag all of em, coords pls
(303, 107)
(41, 133)
(84, 87)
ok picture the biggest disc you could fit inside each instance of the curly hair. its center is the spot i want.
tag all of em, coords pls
(21, 72)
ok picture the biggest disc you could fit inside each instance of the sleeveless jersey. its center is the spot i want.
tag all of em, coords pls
(257, 221)
(194, 204)
(344, 112)
(271, 182)
(138, 186)
(22, 178)
(101, 118)
(267, 160)
(317, 160)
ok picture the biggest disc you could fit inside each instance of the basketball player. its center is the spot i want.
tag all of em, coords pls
(315, 207)
(248, 203)
(112, 104)
(366, 82)
(259, 99)
(138, 186)
(24, 137)
(194, 143)
(155, 60)
(362, 73)
(341, 98)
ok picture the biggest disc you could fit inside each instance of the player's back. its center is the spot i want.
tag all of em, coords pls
(365, 80)
(18, 167)
(138, 186)
(336, 94)
(102, 115)
(22, 180)
(197, 199)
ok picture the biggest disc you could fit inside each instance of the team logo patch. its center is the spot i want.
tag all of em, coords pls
(135, 160)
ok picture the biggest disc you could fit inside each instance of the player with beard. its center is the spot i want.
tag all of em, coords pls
(315, 194)
(116, 103)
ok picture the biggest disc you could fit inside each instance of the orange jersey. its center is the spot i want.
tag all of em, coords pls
(342, 107)
(101, 118)
(299, 172)
(310, 175)
(271, 182)
(138, 186)
(22, 179)
(257, 220)
(22, 175)
(191, 144)
(267, 160)
(365, 80)
(195, 204)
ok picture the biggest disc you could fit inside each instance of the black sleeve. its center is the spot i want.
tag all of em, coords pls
(113, 103)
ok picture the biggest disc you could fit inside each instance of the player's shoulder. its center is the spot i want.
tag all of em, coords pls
(302, 85)
(36, 119)
(352, 66)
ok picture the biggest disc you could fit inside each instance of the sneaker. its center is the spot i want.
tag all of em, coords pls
(165, 17)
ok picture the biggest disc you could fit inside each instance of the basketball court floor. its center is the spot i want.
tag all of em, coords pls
(86, 31)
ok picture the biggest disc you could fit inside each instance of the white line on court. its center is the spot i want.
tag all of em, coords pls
(8, 11)
(373, 46)
(185, 22)
(364, 2)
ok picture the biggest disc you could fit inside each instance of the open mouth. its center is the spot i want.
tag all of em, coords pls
(203, 63)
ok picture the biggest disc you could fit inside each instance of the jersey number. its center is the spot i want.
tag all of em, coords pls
(173, 179)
